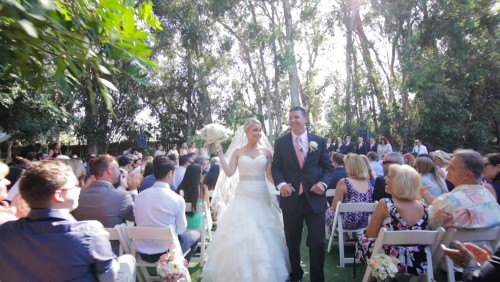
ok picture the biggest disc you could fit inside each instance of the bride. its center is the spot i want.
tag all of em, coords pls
(249, 244)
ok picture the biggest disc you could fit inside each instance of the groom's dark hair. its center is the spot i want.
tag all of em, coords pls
(299, 109)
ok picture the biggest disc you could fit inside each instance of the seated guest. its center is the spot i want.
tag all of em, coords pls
(355, 188)
(6, 213)
(470, 205)
(478, 264)
(491, 174)
(50, 245)
(213, 174)
(101, 201)
(159, 206)
(379, 188)
(339, 171)
(403, 211)
(430, 176)
(196, 193)
(409, 159)
(376, 166)
(184, 162)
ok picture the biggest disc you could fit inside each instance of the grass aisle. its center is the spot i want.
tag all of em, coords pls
(332, 271)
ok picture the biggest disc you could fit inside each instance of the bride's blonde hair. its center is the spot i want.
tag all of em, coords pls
(249, 122)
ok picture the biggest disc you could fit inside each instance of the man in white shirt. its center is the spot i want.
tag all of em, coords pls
(419, 149)
(159, 206)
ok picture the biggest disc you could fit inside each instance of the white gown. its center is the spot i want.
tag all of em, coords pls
(249, 243)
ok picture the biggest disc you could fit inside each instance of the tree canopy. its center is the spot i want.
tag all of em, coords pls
(426, 69)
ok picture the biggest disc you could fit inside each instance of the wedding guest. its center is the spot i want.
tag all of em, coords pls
(442, 160)
(184, 149)
(6, 213)
(101, 201)
(159, 206)
(355, 188)
(419, 149)
(376, 166)
(159, 151)
(54, 151)
(339, 171)
(379, 191)
(479, 265)
(403, 211)
(491, 174)
(213, 173)
(384, 147)
(349, 146)
(430, 176)
(50, 244)
(194, 192)
(192, 148)
(373, 145)
(173, 150)
(409, 159)
(470, 205)
(184, 162)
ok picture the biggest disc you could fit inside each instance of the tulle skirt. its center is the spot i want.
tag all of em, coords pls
(249, 243)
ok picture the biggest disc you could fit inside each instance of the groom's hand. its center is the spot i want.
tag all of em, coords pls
(286, 190)
(318, 189)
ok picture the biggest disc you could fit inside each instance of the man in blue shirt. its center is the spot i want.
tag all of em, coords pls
(49, 244)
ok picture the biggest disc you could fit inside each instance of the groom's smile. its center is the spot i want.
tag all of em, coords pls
(297, 122)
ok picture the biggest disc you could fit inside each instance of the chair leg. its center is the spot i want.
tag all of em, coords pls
(341, 247)
(450, 269)
(330, 241)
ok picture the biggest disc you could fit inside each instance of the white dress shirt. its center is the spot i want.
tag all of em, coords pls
(159, 206)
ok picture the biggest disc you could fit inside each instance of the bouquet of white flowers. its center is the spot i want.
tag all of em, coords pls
(213, 133)
(383, 266)
(171, 267)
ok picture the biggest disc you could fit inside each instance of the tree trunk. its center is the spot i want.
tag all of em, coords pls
(291, 63)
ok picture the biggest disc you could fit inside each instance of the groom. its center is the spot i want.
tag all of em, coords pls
(302, 171)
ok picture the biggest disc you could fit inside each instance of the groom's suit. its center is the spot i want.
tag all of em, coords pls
(309, 206)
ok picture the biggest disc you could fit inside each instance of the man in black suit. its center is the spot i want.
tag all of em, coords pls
(361, 147)
(302, 170)
(349, 146)
(372, 147)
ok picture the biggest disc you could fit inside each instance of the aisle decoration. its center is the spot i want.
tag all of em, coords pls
(383, 266)
(171, 268)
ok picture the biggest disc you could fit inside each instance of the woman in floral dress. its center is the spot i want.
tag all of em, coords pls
(403, 212)
(356, 188)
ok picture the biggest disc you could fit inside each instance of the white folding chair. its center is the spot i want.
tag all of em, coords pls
(338, 225)
(214, 222)
(153, 233)
(113, 235)
(431, 239)
(489, 237)
(330, 193)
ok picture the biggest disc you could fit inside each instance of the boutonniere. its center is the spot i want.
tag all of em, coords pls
(313, 146)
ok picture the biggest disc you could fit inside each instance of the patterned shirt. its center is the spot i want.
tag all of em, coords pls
(466, 207)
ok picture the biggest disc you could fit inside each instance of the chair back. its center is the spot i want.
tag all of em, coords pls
(490, 236)
(429, 238)
(330, 192)
(152, 233)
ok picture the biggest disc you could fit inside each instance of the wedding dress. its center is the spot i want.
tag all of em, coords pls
(249, 243)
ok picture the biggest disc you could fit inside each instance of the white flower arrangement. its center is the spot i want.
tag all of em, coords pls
(213, 133)
(171, 267)
(383, 266)
(313, 146)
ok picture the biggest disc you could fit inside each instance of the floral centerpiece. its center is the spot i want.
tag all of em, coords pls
(213, 133)
(383, 266)
(171, 267)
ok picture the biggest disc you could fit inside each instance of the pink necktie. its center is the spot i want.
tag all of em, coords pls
(298, 152)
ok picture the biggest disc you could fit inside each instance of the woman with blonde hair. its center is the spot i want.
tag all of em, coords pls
(403, 212)
(355, 188)
(441, 159)
(430, 176)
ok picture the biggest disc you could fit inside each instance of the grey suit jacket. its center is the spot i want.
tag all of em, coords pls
(101, 201)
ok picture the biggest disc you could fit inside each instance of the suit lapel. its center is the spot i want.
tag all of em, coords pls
(310, 137)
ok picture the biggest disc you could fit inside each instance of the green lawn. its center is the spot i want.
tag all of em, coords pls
(332, 270)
